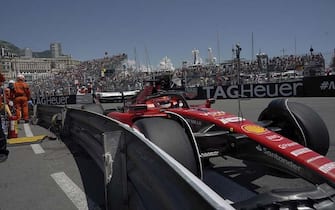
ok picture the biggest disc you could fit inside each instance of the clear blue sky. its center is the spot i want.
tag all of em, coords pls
(158, 28)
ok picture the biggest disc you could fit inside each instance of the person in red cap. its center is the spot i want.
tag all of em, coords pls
(22, 96)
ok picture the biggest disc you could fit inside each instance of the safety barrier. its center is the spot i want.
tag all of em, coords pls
(138, 174)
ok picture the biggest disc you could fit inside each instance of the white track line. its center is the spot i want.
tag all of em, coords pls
(72, 191)
(27, 130)
(37, 148)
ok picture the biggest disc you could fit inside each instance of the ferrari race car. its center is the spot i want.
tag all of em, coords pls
(289, 140)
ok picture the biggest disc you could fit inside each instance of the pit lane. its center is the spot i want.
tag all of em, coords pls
(28, 180)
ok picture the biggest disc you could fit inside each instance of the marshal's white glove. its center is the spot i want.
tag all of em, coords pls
(10, 103)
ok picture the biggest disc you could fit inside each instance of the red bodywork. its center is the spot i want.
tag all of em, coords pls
(268, 140)
(265, 137)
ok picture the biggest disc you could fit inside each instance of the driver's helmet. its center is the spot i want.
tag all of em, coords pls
(163, 102)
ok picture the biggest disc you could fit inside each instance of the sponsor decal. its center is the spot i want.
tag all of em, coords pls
(284, 89)
(327, 85)
(210, 154)
(53, 100)
(285, 146)
(300, 151)
(216, 114)
(231, 120)
(193, 121)
(256, 129)
(279, 158)
(314, 158)
(327, 167)
(274, 137)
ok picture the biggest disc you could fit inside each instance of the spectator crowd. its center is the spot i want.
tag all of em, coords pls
(111, 74)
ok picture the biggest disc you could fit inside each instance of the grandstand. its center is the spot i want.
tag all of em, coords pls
(113, 74)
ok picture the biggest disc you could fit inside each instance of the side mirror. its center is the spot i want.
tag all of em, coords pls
(209, 102)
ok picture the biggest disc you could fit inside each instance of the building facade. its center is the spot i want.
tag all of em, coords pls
(56, 49)
(34, 68)
(6, 57)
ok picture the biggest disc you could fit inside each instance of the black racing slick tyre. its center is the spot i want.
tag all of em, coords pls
(299, 123)
(170, 136)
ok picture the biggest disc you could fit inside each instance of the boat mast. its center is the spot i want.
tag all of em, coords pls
(148, 63)
(219, 51)
(252, 46)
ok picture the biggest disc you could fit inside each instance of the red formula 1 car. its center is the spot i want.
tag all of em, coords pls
(288, 137)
